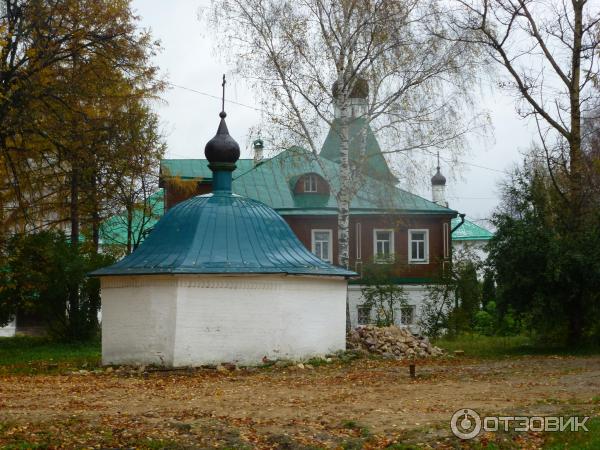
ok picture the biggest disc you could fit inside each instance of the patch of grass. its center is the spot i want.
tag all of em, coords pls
(581, 440)
(345, 357)
(317, 362)
(26, 354)
(352, 425)
(284, 442)
(595, 399)
(479, 346)
(484, 346)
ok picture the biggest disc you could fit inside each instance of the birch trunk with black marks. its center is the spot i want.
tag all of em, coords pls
(343, 200)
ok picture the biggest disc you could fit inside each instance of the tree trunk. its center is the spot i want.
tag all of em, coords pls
(576, 223)
(95, 214)
(575, 156)
(73, 312)
(129, 230)
(575, 320)
(74, 206)
(343, 200)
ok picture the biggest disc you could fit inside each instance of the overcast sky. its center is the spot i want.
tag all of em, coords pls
(190, 118)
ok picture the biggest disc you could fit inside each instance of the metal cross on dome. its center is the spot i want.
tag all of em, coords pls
(223, 113)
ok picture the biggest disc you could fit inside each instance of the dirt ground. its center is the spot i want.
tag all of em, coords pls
(363, 404)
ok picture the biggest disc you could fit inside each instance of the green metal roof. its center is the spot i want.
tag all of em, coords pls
(372, 161)
(197, 168)
(222, 233)
(113, 230)
(272, 182)
(470, 231)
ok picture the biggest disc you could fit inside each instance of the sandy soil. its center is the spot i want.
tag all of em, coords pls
(371, 403)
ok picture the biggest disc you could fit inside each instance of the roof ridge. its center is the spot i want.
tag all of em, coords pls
(274, 157)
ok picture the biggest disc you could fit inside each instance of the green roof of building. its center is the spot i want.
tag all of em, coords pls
(113, 230)
(197, 169)
(371, 159)
(470, 231)
(272, 182)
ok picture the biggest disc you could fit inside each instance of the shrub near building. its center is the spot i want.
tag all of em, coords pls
(45, 277)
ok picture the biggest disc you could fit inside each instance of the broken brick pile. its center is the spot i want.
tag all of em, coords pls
(391, 342)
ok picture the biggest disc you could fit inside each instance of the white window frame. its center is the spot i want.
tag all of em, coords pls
(392, 247)
(414, 315)
(310, 183)
(313, 242)
(411, 259)
(358, 314)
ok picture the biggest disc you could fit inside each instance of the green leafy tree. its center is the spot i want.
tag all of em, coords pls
(38, 274)
(547, 275)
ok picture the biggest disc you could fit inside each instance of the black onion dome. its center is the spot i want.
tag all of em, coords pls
(360, 89)
(222, 148)
(438, 179)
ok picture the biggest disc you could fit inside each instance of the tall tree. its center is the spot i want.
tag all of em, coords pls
(68, 68)
(388, 53)
(549, 50)
(539, 264)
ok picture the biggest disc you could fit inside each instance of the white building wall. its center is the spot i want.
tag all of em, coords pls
(416, 294)
(8, 330)
(476, 248)
(138, 320)
(193, 320)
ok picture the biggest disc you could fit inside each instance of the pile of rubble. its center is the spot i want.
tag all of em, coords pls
(391, 342)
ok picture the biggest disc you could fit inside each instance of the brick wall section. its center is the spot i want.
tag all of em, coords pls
(302, 226)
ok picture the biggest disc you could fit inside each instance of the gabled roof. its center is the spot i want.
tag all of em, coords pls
(191, 169)
(271, 182)
(372, 160)
(470, 231)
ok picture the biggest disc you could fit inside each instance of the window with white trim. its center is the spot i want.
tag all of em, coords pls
(321, 244)
(310, 183)
(407, 314)
(383, 245)
(418, 246)
(363, 314)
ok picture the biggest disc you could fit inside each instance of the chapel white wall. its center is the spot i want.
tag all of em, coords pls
(138, 320)
(195, 320)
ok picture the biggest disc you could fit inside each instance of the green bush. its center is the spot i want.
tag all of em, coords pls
(44, 275)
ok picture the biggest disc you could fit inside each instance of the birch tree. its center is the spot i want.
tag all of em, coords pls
(292, 52)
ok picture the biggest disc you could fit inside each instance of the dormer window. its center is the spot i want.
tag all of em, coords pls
(310, 183)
